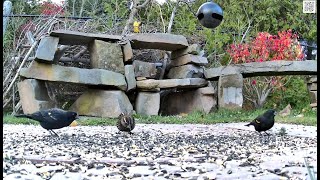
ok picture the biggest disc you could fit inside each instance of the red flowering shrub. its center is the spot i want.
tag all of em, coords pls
(265, 47)
(48, 8)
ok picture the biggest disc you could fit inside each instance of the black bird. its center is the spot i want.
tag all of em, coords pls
(52, 118)
(126, 122)
(264, 122)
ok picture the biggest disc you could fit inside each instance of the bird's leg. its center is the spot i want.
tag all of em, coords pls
(130, 132)
(54, 133)
(267, 133)
(50, 132)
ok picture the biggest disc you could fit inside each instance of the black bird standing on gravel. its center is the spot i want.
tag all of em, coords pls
(126, 122)
(52, 118)
(264, 122)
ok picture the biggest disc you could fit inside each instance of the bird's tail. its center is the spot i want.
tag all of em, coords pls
(23, 116)
(248, 124)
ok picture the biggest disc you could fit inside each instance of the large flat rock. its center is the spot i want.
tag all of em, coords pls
(172, 83)
(34, 96)
(148, 103)
(192, 49)
(189, 59)
(105, 55)
(185, 71)
(67, 37)
(51, 72)
(47, 49)
(230, 91)
(162, 41)
(270, 68)
(101, 103)
(201, 99)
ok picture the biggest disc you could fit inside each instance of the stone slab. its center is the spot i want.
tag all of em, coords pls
(144, 69)
(192, 49)
(189, 59)
(127, 52)
(172, 83)
(230, 91)
(148, 103)
(313, 96)
(270, 68)
(105, 55)
(130, 78)
(47, 49)
(34, 96)
(57, 73)
(312, 86)
(67, 37)
(312, 79)
(185, 71)
(102, 103)
(202, 99)
(161, 41)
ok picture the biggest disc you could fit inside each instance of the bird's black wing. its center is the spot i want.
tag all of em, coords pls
(53, 114)
(260, 119)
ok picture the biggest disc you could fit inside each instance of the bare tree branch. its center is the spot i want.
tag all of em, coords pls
(172, 16)
(249, 25)
(164, 26)
(133, 12)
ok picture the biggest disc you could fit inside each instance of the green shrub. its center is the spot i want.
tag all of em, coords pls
(296, 93)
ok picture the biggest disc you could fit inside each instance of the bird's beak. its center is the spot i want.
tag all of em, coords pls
(275, 113)
(73, 124)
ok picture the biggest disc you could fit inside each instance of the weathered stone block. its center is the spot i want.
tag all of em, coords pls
(312, 79)
(185, 71)
(105, 55)
(312, 86)
(230, 91)
(148, 103)
(189, 59)
(192, 49)
(202, 99)
(144, 69)
(162, 41)
(127, 52)
(46, 49)
(313, 96)
(34, 96)
(171, 83)
(51, 72)
(130, 77)
(102, 103)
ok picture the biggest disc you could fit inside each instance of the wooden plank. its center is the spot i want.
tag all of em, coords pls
(80, 38)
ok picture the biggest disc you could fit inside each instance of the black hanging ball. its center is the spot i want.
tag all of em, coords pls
(210, 15)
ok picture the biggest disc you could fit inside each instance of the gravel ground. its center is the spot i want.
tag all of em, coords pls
(158, 151)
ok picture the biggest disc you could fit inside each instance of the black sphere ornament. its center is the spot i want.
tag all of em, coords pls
(210, 15)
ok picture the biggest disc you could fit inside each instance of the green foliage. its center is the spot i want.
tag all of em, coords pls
(296, 94)
(197, 117)
(264, 16)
